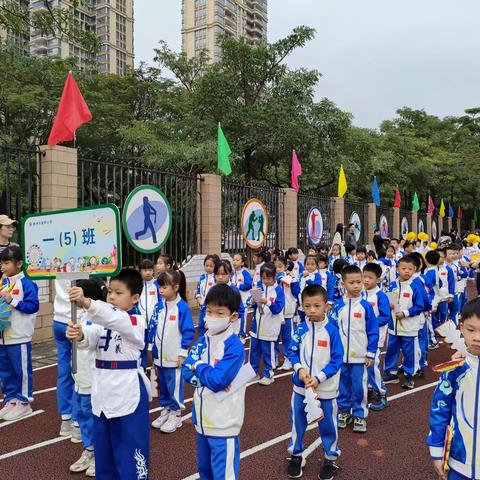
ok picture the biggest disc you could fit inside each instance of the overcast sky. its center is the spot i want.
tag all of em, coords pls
(375, 55)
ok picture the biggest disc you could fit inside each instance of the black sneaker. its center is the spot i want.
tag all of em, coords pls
(329, 470)
(408, 383)
(372, 395)
(400, 370)
(390, 377)
(420, 374)
(295, 467)
(379, 404)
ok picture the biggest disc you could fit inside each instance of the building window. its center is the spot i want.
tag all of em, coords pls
(200, 39)
(122, 5)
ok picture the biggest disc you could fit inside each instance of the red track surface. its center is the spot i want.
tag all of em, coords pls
(393, 448)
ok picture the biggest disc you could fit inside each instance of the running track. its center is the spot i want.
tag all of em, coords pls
(393, 448)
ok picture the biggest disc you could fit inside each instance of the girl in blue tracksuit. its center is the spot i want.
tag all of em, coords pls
(205, 283)
(456, 406)
(298, 267)
(311, 276)
(173, 332)
(16, 339)
(242, 279)
(335, 254)
(266, 324)
(316, 353)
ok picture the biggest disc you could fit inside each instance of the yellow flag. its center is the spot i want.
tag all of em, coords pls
(442, 209)
(342, 183)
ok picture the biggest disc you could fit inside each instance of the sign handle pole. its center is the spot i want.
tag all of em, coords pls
(73, 311)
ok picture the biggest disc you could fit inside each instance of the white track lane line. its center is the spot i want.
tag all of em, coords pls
(35, 412)
(315, 444)
(46, 366)
(33, 447)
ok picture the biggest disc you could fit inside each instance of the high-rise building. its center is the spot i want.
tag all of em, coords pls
(205, 21)
(20, 41)
(111, 20)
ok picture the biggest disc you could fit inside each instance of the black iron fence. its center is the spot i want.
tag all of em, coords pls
(385, 221)
(321, 229)
(20, 186)
(356, 212)
(107, 182)
(406, 225)
(234, 197)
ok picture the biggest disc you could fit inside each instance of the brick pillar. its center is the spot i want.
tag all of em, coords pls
(449, 224)
(459, 225)
(371, 221)
(211, 214)
(429, 225)
(396, 224)
(439, 227)
(338, 213)
(414, 226)
(290, 218)
(59, 178)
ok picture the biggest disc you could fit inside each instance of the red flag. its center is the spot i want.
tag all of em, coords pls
(71, 114)
(431, 205)
(398, 200)
(459, 213)
(296, 170)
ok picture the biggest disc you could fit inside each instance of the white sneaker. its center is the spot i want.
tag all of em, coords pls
(8, 406)
(174, 421)
(266, 381)
(19, 410)
(76, 433)
(161, 419)
(286, 365)
(66, 428)
(83, 463)
(91, 469)
(257, 377)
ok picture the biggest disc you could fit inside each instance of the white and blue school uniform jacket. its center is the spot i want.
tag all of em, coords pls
(431, 280)
(338, 290)
(298, 269)
(331, 260)
(456, 404)
(256, 276)
(290, 299)
(328, 282)
(381, 308)
(447, 282)
(350, 259)
(360, 263)
(244, 282)
(62, 309)
(313, 278)
(358, 328)
(411, 303)
(117, 338)
(217, 361)
(85, 361)
(174, 332)
(461, 276)
(317, 348)
(389, 272)
(25, 307)
(148, 299)
(267, 318)
(206, 282)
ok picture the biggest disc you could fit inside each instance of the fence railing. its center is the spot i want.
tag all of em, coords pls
(385, 230)
(356, 212)
(105, 182)
(234, 197)
(305, 203)
(20, 185)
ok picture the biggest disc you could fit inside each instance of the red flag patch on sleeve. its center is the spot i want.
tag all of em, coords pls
(322, 343)
(172, 317)
(15, 292)
(406, 295)
(271, 299)
(133, 319)
(357, 315)
(153, 292)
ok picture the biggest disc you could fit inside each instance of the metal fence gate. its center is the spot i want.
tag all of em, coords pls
(305, 204)
(234, 197)
(106, 182)
(356, 212)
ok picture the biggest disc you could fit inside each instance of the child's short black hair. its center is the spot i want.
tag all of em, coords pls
(93, 288)
(146, 264)
(11, 253)
(242, 256)
(372, 254)
(407, 244)
(269, 270)
(314, 291)
(225, 264)
(374, 268)
(350, 270)
(313, 257)
(339, 265)
(287, 262)
(454, 246)
(420, 261)
(173, 278)
(293, 251)
(395, 240)
(409, 259)
(168, 260)
(132, 280)
(362, 249)
(391, 246)
(221, 295)
(350, 248)
(323, 257)
(263, 254)
(432, 257)
(471, 309)
(213, 257)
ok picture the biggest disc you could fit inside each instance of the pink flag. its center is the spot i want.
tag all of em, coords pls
(431, 205)
(296, 170)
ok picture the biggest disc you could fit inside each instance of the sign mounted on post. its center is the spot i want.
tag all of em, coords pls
(147, 219)
(76, 240)
(421, 226)
(255, 223)
(383, 225)
(404, 227)
(315, 225)
(434, 230)
(355, 219)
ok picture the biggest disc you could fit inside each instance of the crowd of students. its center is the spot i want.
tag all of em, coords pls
(332, 316)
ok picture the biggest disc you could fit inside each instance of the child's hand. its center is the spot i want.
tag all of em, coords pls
(439, 470)
(311, 383)
(199, 301)
(434, 309)
(76, 295)
(305, 273)
(7, 296)
(449, 300)
(328, 307)
(263, 300)
(303, 376)
(458, 356)
(392, 306)
(74, 332)
(180, 360)
(228, 388)
(368, 362)
(399, 315)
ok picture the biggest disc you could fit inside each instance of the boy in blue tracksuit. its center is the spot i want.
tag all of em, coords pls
(359, 332)
(266, 324)
(316, 352)
(404, 325)
(16, 339)
(372, 273)
(456, 405)
(211, 366)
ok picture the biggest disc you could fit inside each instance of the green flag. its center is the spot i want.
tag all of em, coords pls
(224, 153)
(415, 204)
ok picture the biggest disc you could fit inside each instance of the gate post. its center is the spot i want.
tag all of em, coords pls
(414, 227)
(290, 218)
(396, 223)
(210, 214)
(371, 221)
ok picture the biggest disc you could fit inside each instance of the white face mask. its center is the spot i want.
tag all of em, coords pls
(216, 325)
